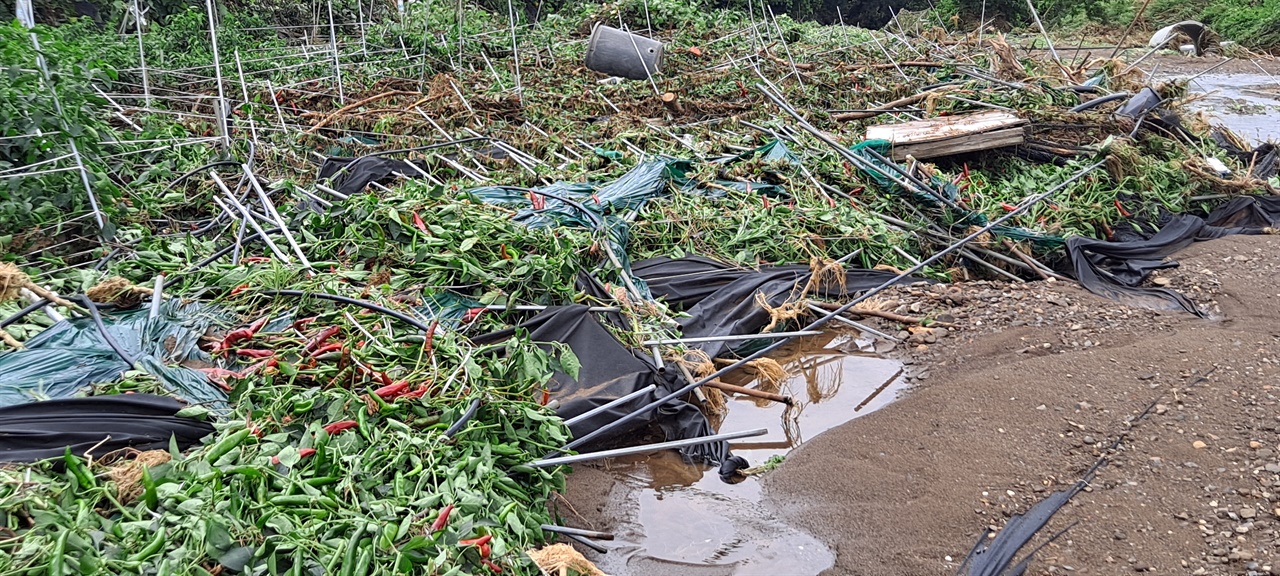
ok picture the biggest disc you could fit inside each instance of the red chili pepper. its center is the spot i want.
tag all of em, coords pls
(484, 550)
(391, 390)
(1008, 207)
(476, 541)
(490, 565)
(472, 314)
(340, 425)
(302, 453)
(255, 353)
(327, 348)
(417, 221)
(319, 339)
(418, 393)
(502, 252)
(596, 198)
(1123, 212)
(239, 289)
(430, 336)
(442, 520)
(302, 323)
(546, 397)
(766, 202)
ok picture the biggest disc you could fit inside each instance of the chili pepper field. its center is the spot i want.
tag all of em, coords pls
(296, 235)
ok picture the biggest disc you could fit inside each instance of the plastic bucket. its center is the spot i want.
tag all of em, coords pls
(618, 53)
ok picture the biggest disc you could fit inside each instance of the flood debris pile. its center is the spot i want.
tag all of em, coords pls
(367, 327)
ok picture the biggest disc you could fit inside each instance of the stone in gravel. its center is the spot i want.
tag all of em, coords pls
(1255, 444)
(1273, 468)
(1248, 513)
(1198, 445)
(1141, 567)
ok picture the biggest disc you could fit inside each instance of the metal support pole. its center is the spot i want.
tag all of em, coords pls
(271, 211)
(333, 44)
(732, 338)
(221, 108)
(603, 407)
(142, 58)
(545, 462)
(75, 150)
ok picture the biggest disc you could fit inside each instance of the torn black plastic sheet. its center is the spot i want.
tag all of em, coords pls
(995, 558)
(720, 299)
(608, 372)
(1116, 270)
(103, 424)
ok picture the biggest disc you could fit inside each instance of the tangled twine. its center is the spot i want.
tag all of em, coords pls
(13, 280)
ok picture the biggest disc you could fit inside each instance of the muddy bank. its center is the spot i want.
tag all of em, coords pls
(1021, 404)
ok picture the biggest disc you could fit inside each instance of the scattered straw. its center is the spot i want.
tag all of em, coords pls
(127, 474)
(118, 291)
(558, 559)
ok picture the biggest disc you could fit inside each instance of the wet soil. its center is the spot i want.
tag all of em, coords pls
(1023, 399)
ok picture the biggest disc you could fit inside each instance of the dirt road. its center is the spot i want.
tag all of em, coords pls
(1023, 399)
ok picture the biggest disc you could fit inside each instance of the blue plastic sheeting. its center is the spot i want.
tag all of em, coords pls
(71, 356)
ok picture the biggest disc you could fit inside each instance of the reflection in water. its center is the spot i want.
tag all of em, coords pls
(682, 519)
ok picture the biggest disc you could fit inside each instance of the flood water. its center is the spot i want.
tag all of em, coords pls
(1248, 104)
(678, 519)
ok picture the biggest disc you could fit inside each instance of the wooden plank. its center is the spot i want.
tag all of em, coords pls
(960, 144)
(944, 127)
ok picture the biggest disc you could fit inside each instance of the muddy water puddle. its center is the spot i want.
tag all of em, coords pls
(674, 518)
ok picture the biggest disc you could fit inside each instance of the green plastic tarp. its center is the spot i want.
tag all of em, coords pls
(71, 356)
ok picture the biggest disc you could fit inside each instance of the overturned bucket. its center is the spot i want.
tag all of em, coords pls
(618, 53)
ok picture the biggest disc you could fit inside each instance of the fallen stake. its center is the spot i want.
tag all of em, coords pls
(739, 389)
(576, 532)
(587, 543)
(646, 448)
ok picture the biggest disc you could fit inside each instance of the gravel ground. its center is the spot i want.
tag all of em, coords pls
(1025, 394)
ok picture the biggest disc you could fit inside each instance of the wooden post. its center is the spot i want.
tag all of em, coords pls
(672, 102)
